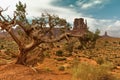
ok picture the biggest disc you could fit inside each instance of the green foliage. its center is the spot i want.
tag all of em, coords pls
(117, 62)
(100, 60)
(47, 69)
(46, 54)
(85, 71)
(114, 42)
(89, 40)
(60, 59)
(52, 21)
(69, 47)
(20, 7)
(119, 43)
(68, 26)
(106, 42)
(93, 36)
(61, 68)
(59, 53)
(1, 47)
(21, 11)
(96, 35)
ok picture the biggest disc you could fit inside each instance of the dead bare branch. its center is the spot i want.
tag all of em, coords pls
(2, 10)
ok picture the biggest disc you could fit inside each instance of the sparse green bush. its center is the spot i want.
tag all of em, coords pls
(106, 42)
(68, 54)
(119, 43)
(114, 42)
(100, 60)
(69, 47)
(47, 69)
(117, 62)
(46, 54)
(59, 53)
(89, 40)
(85, 71)
(61, 68)
(60, 58)
(79, 47)
(1, 47)
(109, 66)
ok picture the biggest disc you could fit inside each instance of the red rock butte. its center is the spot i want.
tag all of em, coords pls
(80, 26)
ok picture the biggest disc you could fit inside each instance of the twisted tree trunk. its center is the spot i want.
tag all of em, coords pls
(22, 58)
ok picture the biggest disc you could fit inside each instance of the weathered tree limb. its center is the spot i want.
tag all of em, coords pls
(11, 32)
(63, 36)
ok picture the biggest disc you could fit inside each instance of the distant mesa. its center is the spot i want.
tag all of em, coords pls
(79, 26)
(106, 34)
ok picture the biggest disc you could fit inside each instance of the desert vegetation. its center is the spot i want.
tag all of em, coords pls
(47, 46)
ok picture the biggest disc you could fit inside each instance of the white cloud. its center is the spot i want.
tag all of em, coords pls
(10, 4)
(71, 5)
(36, 7)
(114, 28)
(111, 26)
(90, 3)
(41, 6)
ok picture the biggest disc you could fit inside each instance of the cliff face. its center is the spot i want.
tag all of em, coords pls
(106, 34)
(80, 26)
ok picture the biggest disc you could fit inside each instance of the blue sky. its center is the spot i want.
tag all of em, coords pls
(100, 14)
(100, 9)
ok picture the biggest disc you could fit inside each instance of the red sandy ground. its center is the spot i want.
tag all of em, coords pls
(19, 72)
(13, 71)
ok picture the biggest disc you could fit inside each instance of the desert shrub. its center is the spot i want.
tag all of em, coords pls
(117, 62)
(89, 40)
(119, 42)
(1, 47)
(60, 58)
(59, 53)
(69, 47)
(47, 69)
(61, 68)
(105, 45)
(79, 47)
(106, 42)
(85, 71)
(68, 54)
(46, 54)
(109, 66)
(114, 42)
(100, 60)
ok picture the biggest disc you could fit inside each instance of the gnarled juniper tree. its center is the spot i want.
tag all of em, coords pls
(37, 32)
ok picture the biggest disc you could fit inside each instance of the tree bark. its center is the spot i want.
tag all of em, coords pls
(22, 58)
